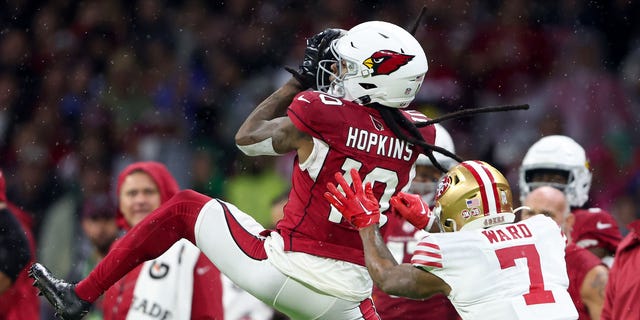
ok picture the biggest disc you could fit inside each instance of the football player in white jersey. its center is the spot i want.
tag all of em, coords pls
(487, 265)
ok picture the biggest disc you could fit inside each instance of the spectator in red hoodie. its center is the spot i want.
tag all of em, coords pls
(18, 298)
(162, 287)
(623, 287)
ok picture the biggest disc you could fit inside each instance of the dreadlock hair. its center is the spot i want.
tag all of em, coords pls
(468, 112)
(408, 130)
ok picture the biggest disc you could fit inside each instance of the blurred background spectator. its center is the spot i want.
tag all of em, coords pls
(18, 299)
(102, 84)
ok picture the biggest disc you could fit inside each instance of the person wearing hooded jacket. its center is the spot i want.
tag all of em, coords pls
(18, 299)
(180, 284)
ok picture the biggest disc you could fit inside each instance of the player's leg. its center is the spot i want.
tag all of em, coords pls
(150, 238)
(299, 301)
(155, 234)
(231, 239)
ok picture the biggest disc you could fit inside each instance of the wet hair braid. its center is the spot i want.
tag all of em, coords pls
(408, 130)
(468, 112)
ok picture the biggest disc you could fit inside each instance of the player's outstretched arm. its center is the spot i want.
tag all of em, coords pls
(397, 279)
(360, 207)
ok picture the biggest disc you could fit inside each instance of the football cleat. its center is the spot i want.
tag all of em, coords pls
(60, 294)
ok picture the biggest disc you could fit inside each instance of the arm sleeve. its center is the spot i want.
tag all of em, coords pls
(14, 246)
(427, 255)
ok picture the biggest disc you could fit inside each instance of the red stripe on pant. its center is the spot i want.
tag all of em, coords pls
(368, 310)
(251, 245)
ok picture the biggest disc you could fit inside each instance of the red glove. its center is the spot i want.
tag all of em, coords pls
(361, 208)
(413, 209)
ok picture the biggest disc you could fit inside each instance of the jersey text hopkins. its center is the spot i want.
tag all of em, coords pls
(387, 146)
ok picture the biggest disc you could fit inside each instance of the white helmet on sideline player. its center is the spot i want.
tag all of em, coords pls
(561, 155)
(378, 62)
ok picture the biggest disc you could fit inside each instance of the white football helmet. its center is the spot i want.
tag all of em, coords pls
(561, 154)
(377, 62)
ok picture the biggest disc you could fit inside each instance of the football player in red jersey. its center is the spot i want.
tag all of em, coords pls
(312, 265)
(560, 162)
(402, 237)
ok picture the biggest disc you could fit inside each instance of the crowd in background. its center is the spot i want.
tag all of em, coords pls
(87, 87)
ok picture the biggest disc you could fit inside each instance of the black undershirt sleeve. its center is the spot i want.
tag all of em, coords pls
(14, 246)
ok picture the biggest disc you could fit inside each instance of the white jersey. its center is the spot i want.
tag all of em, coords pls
(510, 271)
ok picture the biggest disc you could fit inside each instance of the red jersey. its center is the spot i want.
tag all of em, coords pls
(623, 286)
(347, 135)
(399, 235)
(579, 262)
(595, 227)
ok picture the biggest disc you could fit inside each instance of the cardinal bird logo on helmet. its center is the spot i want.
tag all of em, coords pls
(386, 61)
